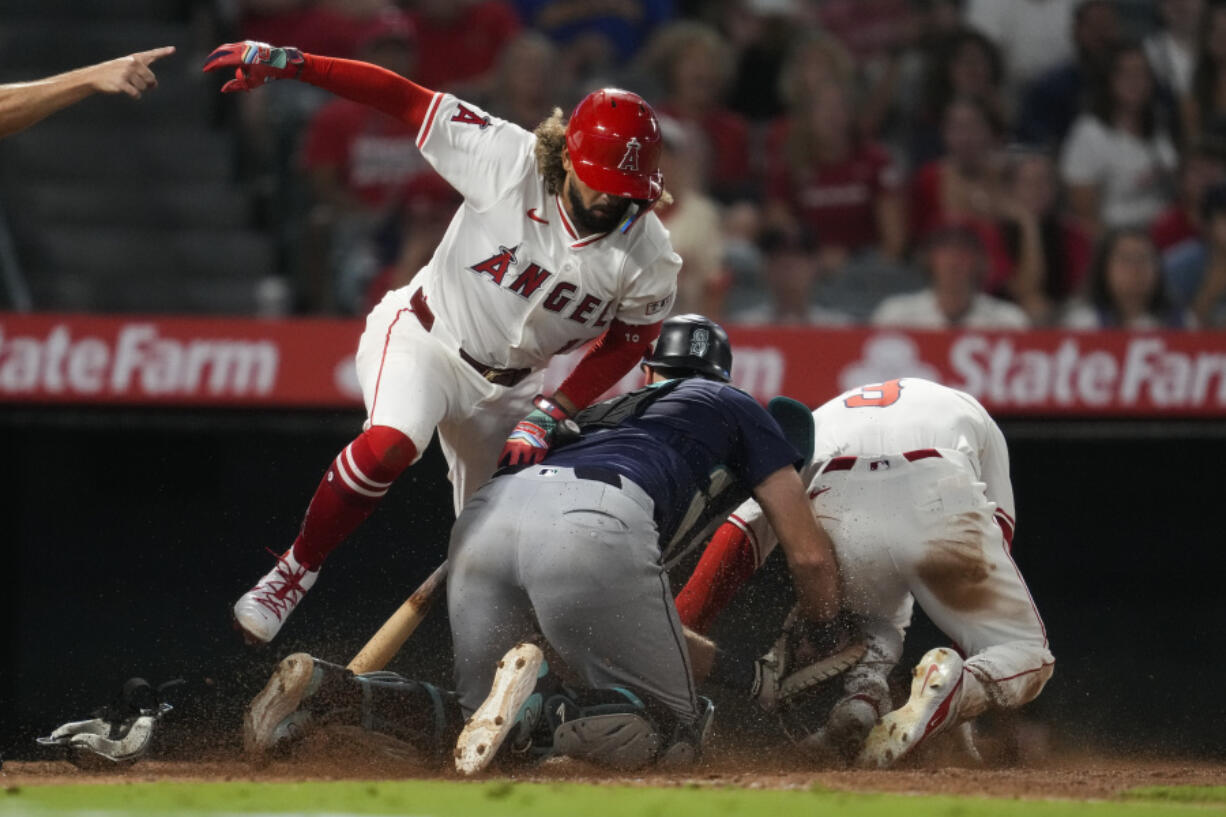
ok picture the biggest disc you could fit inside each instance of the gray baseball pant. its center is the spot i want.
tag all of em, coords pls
(578, 561)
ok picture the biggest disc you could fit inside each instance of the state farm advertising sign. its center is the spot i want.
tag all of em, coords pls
(308, 363)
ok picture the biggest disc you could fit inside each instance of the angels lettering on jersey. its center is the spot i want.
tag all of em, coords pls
(564, 297)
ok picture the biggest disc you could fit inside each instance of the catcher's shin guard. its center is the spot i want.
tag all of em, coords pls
(937, 690)
(620, 733)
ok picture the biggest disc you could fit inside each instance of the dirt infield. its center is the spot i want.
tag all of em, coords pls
(1100, 778)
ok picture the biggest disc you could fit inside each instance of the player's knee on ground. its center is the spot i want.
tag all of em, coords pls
(619, 729)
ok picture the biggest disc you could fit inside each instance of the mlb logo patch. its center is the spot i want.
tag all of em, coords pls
(879, 465)
(547, 472)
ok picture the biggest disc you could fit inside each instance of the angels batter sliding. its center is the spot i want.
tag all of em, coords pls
(911, 481)
(554, 245)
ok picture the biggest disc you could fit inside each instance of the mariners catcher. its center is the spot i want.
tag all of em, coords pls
(911, 481)
(573, 548)
(554, 245)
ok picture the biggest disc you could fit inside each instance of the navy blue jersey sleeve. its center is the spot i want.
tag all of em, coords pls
(760, 449)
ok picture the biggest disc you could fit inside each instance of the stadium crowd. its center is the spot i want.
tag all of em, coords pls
(920, 163)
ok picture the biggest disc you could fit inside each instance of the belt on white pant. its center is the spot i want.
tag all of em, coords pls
(847, 463)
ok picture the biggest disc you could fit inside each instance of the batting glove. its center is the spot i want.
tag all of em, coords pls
(254, 64)
(537, 433)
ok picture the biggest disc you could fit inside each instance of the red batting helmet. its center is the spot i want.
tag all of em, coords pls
(614, 143)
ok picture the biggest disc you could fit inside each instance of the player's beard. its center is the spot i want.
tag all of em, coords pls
(597, 219)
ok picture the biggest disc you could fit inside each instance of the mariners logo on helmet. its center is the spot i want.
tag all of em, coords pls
(699, 342)
(693, 343)
(630, 161)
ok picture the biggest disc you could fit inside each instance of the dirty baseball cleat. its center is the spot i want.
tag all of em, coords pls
(262, 610)
(278, 714)
(506, 709)
(936, 695)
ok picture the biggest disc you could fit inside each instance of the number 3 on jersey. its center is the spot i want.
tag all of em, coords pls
(878, 395)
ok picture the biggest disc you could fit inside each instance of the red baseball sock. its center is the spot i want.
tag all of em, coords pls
(726, 564)
(353, 485)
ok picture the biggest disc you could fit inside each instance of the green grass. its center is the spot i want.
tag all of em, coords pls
(1180, 794)
(505, 799)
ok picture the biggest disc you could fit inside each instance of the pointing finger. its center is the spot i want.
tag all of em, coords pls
(146, 57)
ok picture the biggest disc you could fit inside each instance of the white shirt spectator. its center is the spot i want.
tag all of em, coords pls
(919, 310)
(1034, 36)
(1130, 173)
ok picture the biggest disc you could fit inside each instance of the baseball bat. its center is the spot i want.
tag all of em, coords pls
(384, 644)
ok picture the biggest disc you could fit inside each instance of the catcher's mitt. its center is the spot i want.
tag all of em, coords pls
(803, 657)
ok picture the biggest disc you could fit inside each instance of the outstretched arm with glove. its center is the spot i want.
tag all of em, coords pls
(255, 64)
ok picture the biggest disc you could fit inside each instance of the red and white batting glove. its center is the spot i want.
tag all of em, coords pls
(254, 64)
(536, 434)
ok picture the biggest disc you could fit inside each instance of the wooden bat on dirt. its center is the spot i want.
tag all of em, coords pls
(384, 644)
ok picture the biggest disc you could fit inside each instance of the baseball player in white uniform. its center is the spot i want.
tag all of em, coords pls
(911, 480)
(553, 246)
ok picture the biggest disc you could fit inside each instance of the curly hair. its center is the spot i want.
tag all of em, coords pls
(550, 142)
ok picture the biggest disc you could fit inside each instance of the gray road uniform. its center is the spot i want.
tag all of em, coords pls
(571, 547)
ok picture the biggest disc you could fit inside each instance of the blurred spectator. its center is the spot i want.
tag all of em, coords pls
(791, 269)
(879, 34)
(595, 38)
(957, 266)
(1119, 157)
(1051, 104)
(1201, 166)
(357, 157)
(1126, 287)
(1204, 108)
(1195, 270)
(693, 62)
(1172, 49)
(526, 86)
(330, 27)
(760, 33)
(358, 162)
(1033, 35)
(459, 42)
(813, 60)
(845, 189)
(426, 206)
(693, 222)
(964, 65)
(1050, 250)
(966, 184)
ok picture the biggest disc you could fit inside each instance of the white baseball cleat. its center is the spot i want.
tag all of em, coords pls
(273, 716)
(498, 714)
(936, 695)
(263, 609)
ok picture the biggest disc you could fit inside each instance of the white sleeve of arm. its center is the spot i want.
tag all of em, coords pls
(750, 518)
(480, 155)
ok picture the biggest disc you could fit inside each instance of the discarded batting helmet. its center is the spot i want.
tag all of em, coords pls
(614, 142)
(696, 344)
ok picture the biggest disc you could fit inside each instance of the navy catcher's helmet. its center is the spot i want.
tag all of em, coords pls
(693, 343)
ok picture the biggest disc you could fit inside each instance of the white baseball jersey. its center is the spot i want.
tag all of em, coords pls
(911, 481)
(511, 279)
(511, 284)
